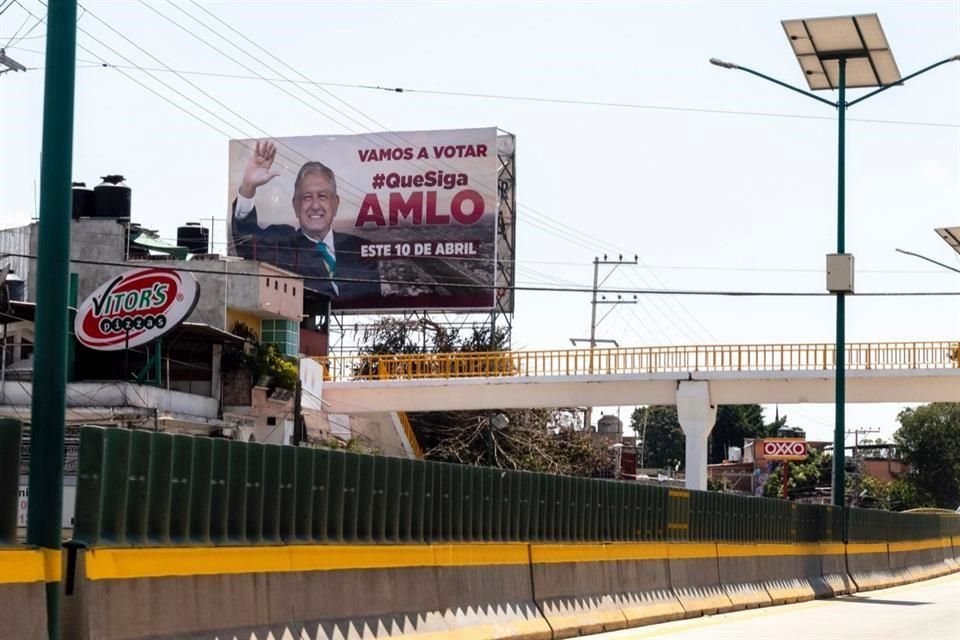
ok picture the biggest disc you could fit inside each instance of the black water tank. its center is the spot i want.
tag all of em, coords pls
(194, 237)
(113, 198)
(84, 202)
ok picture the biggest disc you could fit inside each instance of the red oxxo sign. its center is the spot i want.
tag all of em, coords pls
(784, 449)
(135, 308)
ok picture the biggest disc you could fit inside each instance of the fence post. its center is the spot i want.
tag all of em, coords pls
(159, 486)
(86, 526)
(115, 471)
(10, 430)
(181, 485)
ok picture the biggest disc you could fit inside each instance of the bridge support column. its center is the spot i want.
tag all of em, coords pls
(697, 417)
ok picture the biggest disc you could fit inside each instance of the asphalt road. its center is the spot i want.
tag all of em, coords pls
(920, 611)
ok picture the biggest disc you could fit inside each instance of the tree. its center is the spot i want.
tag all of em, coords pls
(929, 441)
(899, 495)
(544, 440)
(803, 476)
(660, 436)
(666, 446)
(734, 423)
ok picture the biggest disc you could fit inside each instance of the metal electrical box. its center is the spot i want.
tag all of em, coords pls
(840, 272)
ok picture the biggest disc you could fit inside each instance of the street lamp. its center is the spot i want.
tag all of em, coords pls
(838, 53)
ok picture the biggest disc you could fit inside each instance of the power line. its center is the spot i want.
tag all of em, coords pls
(536, 99)
(650, 107)
(463, 285)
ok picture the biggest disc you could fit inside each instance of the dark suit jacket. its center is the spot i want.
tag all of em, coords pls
(285, 246)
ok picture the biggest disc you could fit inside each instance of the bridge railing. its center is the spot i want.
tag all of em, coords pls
(643, 360)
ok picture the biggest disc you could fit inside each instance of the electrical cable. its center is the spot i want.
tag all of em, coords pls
(538, 99)
(463, 285)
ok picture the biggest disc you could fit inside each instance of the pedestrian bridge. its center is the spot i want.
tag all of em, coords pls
(735, 374)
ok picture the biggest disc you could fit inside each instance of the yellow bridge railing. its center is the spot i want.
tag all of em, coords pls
(411, 436)
(643, 360)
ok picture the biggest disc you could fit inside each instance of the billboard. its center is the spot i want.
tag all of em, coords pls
(135, 308)
(375, 222)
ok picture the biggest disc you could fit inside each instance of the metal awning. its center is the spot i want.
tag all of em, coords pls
(151, 242)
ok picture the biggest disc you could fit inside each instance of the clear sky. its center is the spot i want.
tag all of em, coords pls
(716, 179)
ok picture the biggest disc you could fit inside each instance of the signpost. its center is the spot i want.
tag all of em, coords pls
(784, 450)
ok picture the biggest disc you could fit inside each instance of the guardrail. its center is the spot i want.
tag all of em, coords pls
(643, 360)
(138, 488)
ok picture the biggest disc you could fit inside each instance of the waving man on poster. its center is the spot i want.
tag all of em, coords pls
(329, 261)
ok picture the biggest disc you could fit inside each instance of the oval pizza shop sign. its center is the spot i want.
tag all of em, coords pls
(135, 307)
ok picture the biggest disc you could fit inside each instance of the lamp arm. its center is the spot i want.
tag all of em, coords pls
(939, 264)
(902, 80)
(787, 86)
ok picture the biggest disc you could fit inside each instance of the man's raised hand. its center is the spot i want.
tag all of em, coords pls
(259, 169)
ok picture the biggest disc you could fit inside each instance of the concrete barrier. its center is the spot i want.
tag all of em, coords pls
(695, 578)
(833, 561)
(869, 566)
(316, 592)
(740, 576)
(492, 590)
(23, 598)
(918, 560)
(948, 559)
(954, 550)
(574, 585)
(585, 588)
(783, 572)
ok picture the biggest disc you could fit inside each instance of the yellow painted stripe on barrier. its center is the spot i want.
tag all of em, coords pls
(22, 565)
(678, 493)
(915, 545)
(569, 553)
(52, 564)
(691, 550)
(760, 549)
(866, 547)
(112, 564)
(832, 548)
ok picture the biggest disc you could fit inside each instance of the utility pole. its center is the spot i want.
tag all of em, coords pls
(594, 301)
(856, 437)
(53, 270)
(9, 64)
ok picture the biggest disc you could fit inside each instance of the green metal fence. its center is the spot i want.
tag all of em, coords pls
(10, 431)
(141, 488)
(868, 525)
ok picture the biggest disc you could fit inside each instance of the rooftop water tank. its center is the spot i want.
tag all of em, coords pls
(112, 198)
(84, 201)
(194, 237)
(609, 424)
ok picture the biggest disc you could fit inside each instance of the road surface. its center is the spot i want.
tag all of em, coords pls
(927, 610)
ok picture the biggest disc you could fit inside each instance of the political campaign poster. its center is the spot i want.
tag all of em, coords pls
(377, 222)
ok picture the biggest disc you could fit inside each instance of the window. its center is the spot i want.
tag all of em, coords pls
(271, 421)
(284, 287)
(276, 285)
(268, 282)
(284, 334)
(294, 291)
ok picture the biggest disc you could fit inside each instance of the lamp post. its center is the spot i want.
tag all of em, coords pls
(840, 53)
